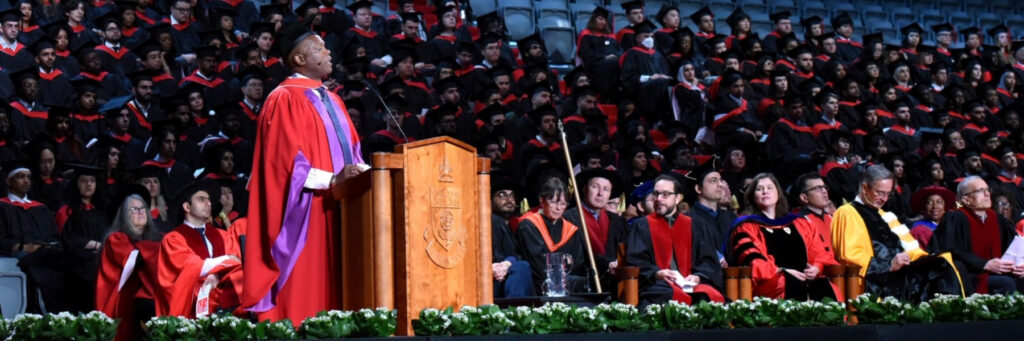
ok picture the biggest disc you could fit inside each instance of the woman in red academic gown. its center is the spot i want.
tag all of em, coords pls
(127, 273)
(787, 260)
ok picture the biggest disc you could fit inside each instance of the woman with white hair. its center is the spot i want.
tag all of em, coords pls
(127, 274)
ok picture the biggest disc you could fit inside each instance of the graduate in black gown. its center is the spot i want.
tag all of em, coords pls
(645, 73)
(54, 84)
(116, 56)
(184, 29)
(606, 229)
(599, 52)
(13, 54)
(28, 115)
(29, 233)
(215, 89)
(83, 224)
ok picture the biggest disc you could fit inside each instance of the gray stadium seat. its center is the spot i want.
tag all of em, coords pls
(811, 8)
(620, 20)
(975, 7)
(519, 18)
(758, 16)
(784, 5)
(762, 26)
(1002, 8)
(483, 6)
(987, 20)
(922, 6)
(581, 12)
(559, 39)
(931, 17)
(881, 25)
(862, 3)
(721, 9)
(687, 8)
(960, 20)
(947, 6)
(553, 8)
(874, 13)
(13, 284)
(889, 35)
(902, 16)
(840, 7)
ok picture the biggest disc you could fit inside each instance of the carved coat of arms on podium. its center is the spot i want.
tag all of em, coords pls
(444, 234)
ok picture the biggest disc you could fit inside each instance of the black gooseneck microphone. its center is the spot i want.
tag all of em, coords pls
(387, 109)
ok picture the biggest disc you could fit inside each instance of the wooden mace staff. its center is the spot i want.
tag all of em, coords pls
(579, 206)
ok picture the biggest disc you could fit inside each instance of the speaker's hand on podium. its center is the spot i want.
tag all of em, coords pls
(350, 171)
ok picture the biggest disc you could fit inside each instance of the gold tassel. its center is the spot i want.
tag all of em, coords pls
(524, 206)
(622, 204)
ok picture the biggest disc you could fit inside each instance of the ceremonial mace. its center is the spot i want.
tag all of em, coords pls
(579, 206)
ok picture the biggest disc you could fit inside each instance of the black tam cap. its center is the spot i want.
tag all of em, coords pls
(10, 14)
(775, 17)
(355, 6)
(943, 27)
(842, 19)
(632, 5)
(912, 27)
(695, 17)
(998, 29)
(644, 27)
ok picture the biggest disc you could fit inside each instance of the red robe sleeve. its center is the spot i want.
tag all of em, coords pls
(113, 258)
(749, 249)
(819, 248)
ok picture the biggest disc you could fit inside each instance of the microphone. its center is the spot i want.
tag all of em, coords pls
(387, 109)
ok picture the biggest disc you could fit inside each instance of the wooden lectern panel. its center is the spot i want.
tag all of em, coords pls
(437, 261)
(416, 231)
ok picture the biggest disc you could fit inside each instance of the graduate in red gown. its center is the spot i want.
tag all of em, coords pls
(305, 142)
(670, 250)
(127, 273)
(198, 270)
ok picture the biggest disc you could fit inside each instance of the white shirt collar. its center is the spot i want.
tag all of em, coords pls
(111, 46)
(9, 46)
(17, 199)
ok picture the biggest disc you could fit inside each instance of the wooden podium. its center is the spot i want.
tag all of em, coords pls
(416, 230)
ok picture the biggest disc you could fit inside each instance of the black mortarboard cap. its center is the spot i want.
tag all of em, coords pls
(695, 17)
(943, 27)
(970, 30)
(207, 51)
(842, 19)
(447, 83)
(10, 14)
(735, 17)
(390, 84)
(492, 110)
(114, 105)
(662, 12)
(584, 177)
(998, 29)
(84, 84)
(355, 6)
(80, 169)
(211, 187)
(811, 20)
(306, 6)
(414, 16)
(108, 17)
(123, 193)
(632, 5)
(784, 14)
(258, 28)
(254, 71)
(535, 38)
(44, 42)
(545, 110)
(912, 27)
(269, 9)
(600, 12)
(644, 27)
(147, 46)
(31, 71)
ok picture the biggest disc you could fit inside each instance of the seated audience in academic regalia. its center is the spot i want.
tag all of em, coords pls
(154, 68)
(184, 29)
(216, 89)
(8, 149)
(447, 33)
(791, 142)
(115, 55)
(977, 236)
(849, 91)
(13, 54)
(546, 231)
(28, 115)
(118, 114)
(841, 168)
(512, 275)
(48, 187)
(787, 259)
(111, 84)
(634, 11)
(363, 34)
(54, 84)
(585, 114)
(59, 32)
(29, 233)
(672, 251)
(887, 254)
(599, 52)
(142, 105)
(734, 121)
(774, 93)
(404, 67)
(645, 74)
(149, 177)
(83, 223)
(252, 82)
(546, 144)
(164, 144)
(705, 188)
(606, 230)
(494, 24)
(903, 137)
(386, 139)
(127, 278)
(197, 258)
(932, 203)
(847, 50)
(86, 120)
(200, 122)
(58, 134)
(81, 34)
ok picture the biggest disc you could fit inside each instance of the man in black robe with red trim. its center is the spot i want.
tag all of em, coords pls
(671, 251)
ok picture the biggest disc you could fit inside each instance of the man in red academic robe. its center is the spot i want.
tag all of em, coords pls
(815, 216)
(606, 229)
(305, 143)
(198, 270)
(671, 252)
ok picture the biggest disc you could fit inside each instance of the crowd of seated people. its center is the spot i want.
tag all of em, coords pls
(122, 121)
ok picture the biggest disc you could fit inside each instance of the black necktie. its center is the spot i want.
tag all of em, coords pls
(337, 125)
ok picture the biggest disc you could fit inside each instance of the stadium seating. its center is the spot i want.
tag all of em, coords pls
(559, 39)
(519, 18)
(12, 288)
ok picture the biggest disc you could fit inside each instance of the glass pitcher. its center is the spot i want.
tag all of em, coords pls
(557, 282)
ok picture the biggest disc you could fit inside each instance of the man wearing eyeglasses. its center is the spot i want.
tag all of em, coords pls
(676, 256)
(186, 31)
(977, 236)
(816, 215)
(891, 261)
(511, 271)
